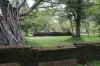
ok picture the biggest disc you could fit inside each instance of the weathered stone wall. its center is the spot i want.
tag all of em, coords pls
(82, 54)
(22, 56)
(28, 56)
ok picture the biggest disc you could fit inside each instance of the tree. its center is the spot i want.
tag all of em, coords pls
(77, 10)
(70, 17)
(10, 32)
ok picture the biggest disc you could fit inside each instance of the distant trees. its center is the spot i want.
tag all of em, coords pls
(94, 15)
(96, 18)
(38, 20)
(77, 11)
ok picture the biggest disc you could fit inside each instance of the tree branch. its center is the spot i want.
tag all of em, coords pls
(46, 6)
(31, 8)
(20, 5)
(55, 2)
(73, 14)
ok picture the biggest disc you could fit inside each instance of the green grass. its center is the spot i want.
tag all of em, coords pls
(93, 37)
(79, 65)
(93, 63)
(50, 41)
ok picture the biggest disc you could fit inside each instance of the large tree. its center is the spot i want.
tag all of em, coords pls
(76, 8)
(10, 32)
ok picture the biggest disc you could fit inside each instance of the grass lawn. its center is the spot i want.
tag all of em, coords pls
(50, 41)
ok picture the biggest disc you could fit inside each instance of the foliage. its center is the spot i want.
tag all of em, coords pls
(95, 62)
(26, 24)
(94, 13)
(67, 26)
(37, 20)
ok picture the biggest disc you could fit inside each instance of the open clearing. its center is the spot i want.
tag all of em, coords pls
(51, 41)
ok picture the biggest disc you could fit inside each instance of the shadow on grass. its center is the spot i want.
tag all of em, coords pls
(32, 43)
(75, 39)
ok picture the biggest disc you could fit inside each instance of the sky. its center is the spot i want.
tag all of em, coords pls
(30, 2)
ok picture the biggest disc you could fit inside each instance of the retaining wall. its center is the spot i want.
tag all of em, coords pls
(28, 56)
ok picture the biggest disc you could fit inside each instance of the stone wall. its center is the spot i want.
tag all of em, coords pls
(28, 56)
(23, 56)
(82, 54)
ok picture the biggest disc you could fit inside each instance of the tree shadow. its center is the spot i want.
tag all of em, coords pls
(33, 43)
(75, 39)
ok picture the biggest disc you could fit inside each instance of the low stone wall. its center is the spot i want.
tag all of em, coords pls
(28, 56)
(25, 56)
(82, 54)
(53, 34)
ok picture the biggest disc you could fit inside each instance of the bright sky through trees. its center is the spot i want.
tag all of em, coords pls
(30, 2)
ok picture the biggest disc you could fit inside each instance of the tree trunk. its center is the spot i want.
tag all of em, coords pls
(88, 30)
(78, 26)
(10, 31)
(26, 32)
(78, 19)
(72, 28)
